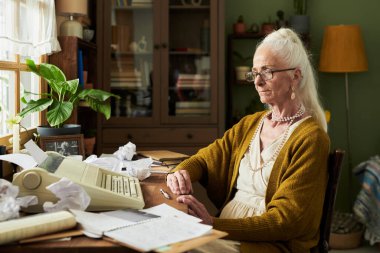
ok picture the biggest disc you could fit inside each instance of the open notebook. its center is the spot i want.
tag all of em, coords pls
(151, 232)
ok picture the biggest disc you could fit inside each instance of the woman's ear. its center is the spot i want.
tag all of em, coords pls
(297, 74)
(297, 77)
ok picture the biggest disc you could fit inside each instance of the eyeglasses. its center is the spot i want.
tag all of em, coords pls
(266, 74)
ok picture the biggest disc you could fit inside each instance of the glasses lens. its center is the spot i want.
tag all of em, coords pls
(266, 74)
(249, 77)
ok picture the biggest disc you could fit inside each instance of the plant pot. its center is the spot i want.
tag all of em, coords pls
(239, 28)
(346, 241)
(89, 144)
(267, 28)
(240, 72)
(300, 23)
(67, 129)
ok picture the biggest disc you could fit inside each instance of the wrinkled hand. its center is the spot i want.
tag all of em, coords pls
(179, 182)
(196, 208)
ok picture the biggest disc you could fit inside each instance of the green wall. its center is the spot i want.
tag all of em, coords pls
(364, 88)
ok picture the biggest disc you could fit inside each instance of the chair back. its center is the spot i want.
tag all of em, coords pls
(334, 167)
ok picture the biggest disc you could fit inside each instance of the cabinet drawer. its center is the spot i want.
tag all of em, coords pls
(159, 135)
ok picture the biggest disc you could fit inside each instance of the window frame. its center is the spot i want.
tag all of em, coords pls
(17, 66)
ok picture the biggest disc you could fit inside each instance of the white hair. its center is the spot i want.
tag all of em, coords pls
(286, 44)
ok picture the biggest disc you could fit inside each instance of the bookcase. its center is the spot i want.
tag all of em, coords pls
(165, 59)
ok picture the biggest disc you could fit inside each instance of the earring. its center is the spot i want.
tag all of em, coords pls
(293, 95)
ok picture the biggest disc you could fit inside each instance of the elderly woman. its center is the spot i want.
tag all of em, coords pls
(268, 173)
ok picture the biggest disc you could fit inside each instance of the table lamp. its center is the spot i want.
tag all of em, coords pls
(72, 9)
(343, 52)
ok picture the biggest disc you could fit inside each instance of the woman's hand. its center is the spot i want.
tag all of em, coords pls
(179, 182)
(196, 208)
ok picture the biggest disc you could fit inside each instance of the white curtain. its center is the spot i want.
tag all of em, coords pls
(28, 27)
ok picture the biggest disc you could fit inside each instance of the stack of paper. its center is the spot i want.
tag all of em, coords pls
(164, 160)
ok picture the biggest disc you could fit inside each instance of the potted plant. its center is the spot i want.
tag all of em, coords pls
(239, 27)
(267, 27)
(300, 21)
(62, 98)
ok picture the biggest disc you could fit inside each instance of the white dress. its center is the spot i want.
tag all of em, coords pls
(251, 185)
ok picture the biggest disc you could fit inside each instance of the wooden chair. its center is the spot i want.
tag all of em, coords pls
(334, 168)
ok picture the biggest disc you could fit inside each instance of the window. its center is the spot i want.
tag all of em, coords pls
(14, 80)
(27, 30)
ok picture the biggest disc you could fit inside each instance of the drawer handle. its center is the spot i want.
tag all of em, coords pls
(189, 136)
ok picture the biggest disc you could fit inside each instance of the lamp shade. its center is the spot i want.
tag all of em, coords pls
(343, 50)
(71, 7)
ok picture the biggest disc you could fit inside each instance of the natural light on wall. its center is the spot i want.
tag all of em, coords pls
(27, 30)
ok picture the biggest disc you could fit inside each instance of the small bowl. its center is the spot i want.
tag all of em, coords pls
(88, 34)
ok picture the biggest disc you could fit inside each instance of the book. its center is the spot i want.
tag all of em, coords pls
(80, 68)
(202, 111)
(192, 104)
(163, 155)
(35, 225)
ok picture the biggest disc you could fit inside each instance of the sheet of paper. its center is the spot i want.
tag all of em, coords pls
(37, 153)
(165, 210)
(156, 233)
(22, 160)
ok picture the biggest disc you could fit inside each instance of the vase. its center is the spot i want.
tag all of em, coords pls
(267, 28)
(66, 129)
(241, 71)
(300, 24)
(89, 145)
(239, 28)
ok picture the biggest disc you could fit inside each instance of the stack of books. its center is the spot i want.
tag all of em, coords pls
(125, 80)
(141, 3)
(193, 81)
(192, 107)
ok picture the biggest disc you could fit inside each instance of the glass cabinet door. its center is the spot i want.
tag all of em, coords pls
(131, 58)
(189, 74)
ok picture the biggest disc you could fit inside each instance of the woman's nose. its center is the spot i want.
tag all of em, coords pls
(259, 80)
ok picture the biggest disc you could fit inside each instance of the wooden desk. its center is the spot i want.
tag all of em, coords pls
(152, 196)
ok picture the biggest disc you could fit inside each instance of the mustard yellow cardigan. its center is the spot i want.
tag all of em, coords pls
(295, 193)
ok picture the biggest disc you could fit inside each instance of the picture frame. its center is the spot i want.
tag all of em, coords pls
(64, 144)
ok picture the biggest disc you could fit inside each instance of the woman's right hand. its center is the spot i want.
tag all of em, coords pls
(179, 182)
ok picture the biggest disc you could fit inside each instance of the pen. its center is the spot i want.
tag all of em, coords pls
(166, 195)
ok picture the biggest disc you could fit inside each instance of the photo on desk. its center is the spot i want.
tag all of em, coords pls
(63, 144)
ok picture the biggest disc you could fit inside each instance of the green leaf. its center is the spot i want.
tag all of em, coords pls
(36, 106)
(23, 100)
(51, 72)
(32, 66)
(102, 107)
(57, 86)
(99, 95)
(59, 113)
(72, 85)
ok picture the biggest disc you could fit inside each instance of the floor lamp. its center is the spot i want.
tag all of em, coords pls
(343, 52)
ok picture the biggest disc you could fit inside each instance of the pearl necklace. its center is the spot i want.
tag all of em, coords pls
(278, 149)
(298, 114)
